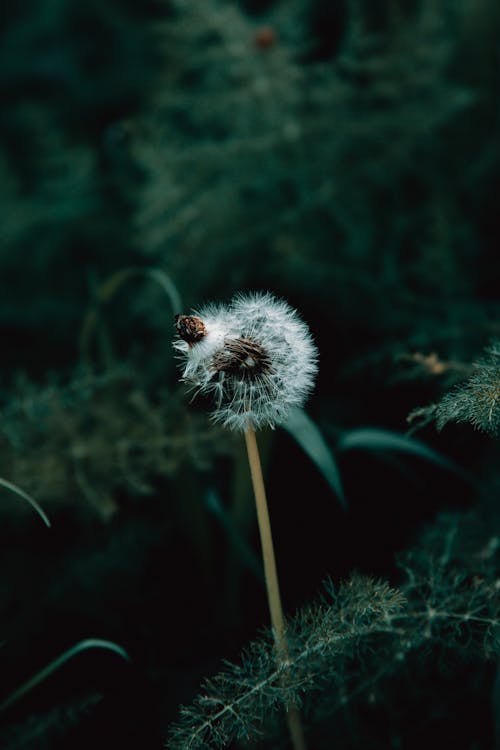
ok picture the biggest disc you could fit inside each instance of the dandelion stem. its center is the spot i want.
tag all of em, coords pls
(271, 577)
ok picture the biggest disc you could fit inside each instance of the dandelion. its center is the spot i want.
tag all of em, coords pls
(256, 359)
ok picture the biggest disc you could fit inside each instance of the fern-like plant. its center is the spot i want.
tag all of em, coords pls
(476, 400)
(360, 633)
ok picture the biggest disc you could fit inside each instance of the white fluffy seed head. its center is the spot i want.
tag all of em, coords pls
(256, 359)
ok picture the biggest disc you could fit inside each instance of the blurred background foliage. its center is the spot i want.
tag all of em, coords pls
(157, 155)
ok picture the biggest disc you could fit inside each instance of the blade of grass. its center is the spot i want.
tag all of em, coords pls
(236, 538)
(106, 291)
(377, 439)
(108, 288)
(58, 662)
(302, 428)
(18, 491)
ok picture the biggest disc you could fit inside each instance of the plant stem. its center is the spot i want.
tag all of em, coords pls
(271, 577)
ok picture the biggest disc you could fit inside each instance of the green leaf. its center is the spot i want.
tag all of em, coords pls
(376, 439)
(306, 433)
(58, 662)
(18, 491)
(109, 288)
(113, 284)
(247, 555)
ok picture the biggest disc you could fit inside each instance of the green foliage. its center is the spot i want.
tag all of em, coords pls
(311, 169)
(362, 632)
(346, 156)
(47, 729)
(58, 663)
(84, 442)
(237, 703)
(69, 73)
(18, 491)
(476, 400)
(312, 442)
(371, 438)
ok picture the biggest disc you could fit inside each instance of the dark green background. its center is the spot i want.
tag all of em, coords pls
(343, 155)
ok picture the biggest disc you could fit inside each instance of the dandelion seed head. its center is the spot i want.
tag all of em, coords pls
(256, 359)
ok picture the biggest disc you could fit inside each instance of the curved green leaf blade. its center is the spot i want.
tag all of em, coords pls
(18, 491)
(247, 555)
(302, 428)
(377, 439)
(58, 662)
(111, 286)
